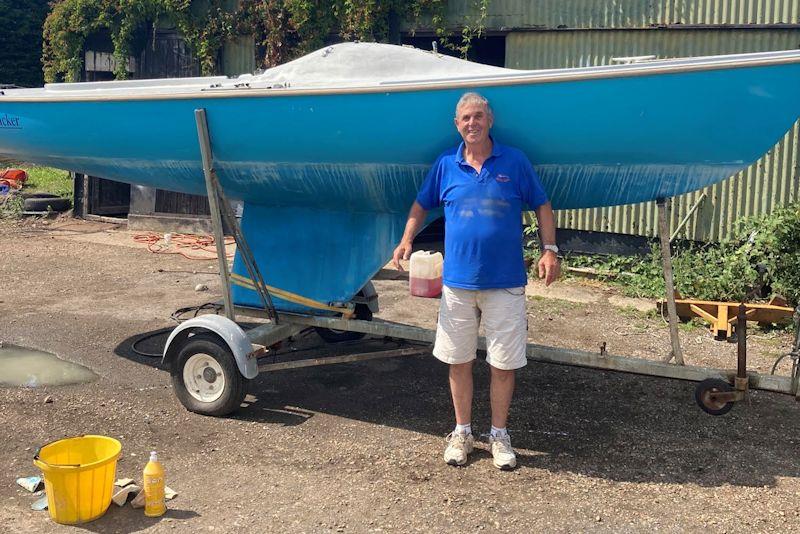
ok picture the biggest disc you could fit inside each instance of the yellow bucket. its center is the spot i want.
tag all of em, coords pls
(78, 477)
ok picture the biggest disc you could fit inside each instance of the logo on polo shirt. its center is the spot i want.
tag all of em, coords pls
(502, 178)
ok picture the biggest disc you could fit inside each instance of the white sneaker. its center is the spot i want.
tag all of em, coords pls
(459, 446)
(503, 454)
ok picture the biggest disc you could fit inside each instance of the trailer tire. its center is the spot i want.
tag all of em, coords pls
(702, 396)
(363, 313)
(205, 376)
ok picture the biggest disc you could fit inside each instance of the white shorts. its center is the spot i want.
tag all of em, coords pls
(503, 315)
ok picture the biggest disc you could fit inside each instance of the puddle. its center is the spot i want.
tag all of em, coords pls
(30, 368)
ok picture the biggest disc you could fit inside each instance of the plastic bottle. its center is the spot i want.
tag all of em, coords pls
(154, 505)
(425, 276)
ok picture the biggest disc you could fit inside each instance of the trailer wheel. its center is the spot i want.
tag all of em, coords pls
(363, 313)
(205, 376)
(702, 394)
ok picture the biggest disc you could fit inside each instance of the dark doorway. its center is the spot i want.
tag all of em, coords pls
(98, 196)
(167, 55)
(489, 50)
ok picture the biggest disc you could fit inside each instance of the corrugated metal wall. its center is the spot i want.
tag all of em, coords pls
(772, 181)
(554, 49)
(239, 56)
(516, 14)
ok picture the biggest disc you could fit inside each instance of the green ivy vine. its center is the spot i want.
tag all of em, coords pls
(472, 28)
(282, 29)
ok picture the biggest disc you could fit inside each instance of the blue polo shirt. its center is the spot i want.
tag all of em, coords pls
(483, 225)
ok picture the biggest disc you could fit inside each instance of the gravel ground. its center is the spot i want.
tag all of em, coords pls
(357, 447)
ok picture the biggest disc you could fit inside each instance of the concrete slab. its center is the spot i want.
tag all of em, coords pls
(643, 305)
(563, 291)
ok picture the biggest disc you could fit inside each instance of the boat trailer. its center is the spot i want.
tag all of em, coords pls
(212, 358)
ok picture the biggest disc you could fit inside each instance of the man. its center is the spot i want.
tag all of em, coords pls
(484, 187)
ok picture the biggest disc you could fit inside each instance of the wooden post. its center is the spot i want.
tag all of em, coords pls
(666, 260)
(85, 196)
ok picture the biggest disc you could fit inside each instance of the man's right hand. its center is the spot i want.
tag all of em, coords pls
(402, 252)
(416, 218)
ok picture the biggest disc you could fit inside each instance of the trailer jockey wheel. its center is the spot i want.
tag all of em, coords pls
(205, 376)
(702, 394)
(362, 313)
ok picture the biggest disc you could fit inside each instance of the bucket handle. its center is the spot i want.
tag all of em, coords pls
(60, 466)
(46, 464)
(39, 462)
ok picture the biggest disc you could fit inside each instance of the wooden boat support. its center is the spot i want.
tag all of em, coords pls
(203, 348)
(721, 316)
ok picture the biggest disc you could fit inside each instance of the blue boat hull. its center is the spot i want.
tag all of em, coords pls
(327, 179)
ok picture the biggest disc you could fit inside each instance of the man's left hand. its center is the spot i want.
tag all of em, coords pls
(549, 267)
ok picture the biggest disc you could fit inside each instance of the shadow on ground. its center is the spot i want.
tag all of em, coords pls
(124, 520)
(564, 419)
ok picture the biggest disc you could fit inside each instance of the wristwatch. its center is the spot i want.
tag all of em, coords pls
(551, 248)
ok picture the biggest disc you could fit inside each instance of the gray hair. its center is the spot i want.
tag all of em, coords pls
(473, 98)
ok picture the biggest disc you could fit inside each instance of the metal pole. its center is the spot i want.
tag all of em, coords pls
(347, 358)
(741, 342)
(213, 203)
(741, 348)
(686, 219)
(666, 260)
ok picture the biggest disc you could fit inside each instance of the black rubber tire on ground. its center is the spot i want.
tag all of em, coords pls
(56, 204)
(38, 195)
(712, 385)
(235, 384)
(363, 313)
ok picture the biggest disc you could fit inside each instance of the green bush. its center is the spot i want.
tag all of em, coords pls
(774, 243)
(763, 252)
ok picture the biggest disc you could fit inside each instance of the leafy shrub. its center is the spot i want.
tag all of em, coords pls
(11, 207)
(762, 255)
(775, 246)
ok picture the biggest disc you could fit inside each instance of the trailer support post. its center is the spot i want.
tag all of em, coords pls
(666, 259)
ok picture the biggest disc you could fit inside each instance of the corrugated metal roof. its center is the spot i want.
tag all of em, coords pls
(590, 14)
(772, 181)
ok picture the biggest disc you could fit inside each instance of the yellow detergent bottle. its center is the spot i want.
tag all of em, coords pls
(154, 505)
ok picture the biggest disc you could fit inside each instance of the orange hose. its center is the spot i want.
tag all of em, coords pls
(187, 245)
